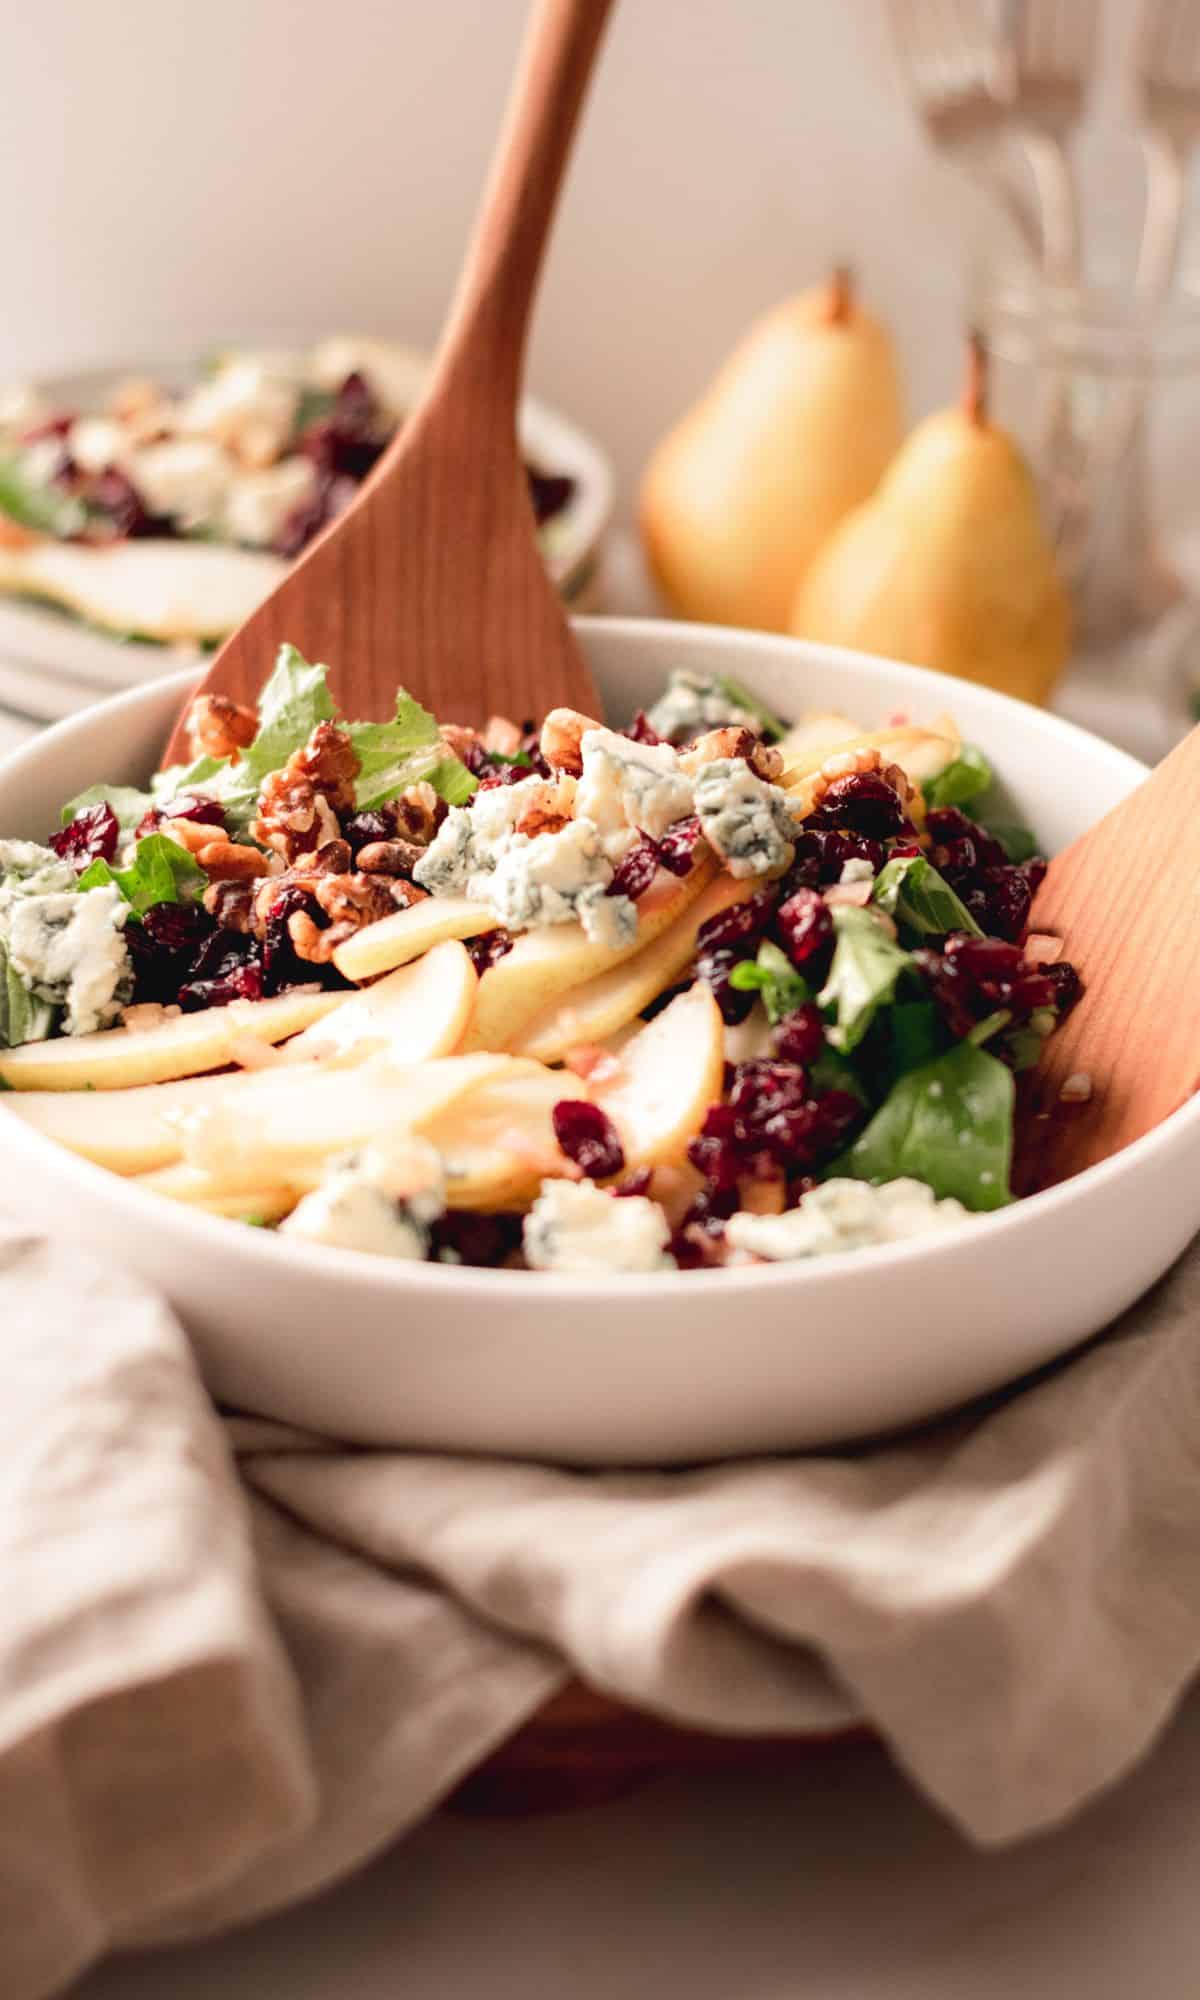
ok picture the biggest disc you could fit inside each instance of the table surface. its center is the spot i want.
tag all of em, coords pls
(835, 1881)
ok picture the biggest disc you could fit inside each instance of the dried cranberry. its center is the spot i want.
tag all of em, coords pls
(361, 829)
(467, 1236)
(550, 492)
(714, 968)
(800, 1036)
(488, 949)
(821, 854)
(92, 835)
(588, 1137)
(764, 1086)
(804, 925)
(641, 730)
(304, 521)
(282, 965)
(189, 805)
(637, 1183)
(56, 426)
(700, 1237)
(1066, 983)
(238, 977)
(114, 495)
(636, 870)
(974, 977)
(677, 848)
(741, 923)
(863, 801)
(163, 948)
(716, 1150)
(350, 439)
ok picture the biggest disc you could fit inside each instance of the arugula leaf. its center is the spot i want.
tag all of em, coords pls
(40, 507)
(948, 1124)
(965, 778)
(862, 978)
(161, 872)
(129, 805)
(774, 976)
(407, 751)
(911, 890)
(740, 697)
(23, 1017)
(1017, 841)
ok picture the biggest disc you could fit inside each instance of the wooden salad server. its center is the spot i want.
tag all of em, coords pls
(432, 578)
(1125, 899)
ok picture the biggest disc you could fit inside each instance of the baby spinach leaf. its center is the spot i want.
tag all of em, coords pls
(964, 779)
(1017, 841)
(773, 975)
(862, 978)
(949, 1124)
(923, 904)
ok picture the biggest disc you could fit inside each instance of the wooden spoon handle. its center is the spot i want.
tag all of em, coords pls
(486, 328)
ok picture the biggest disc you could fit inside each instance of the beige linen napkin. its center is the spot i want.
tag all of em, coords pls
(216, 1697)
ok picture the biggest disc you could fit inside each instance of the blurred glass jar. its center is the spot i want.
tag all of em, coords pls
(1076, 374)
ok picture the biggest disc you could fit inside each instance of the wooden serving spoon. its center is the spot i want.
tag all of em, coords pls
(1125, 899)
(432, 578)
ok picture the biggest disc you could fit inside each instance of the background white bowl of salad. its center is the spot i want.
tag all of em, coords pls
(224, 458)
(659, 1368)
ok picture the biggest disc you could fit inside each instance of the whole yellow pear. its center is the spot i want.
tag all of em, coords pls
(949, 564)
(795, 431)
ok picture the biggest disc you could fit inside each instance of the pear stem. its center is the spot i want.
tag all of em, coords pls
(975, 386)
(839, 302)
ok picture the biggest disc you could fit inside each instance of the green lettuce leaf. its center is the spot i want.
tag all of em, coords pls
(160, 872)
(964, 779)
(774, 976)
(922, 903)
(949, 1124)
(23, 1017)
(42, 508)
(862, 978)
(406, 751)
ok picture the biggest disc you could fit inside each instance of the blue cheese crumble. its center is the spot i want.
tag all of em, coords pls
(627, 785)
(381, 1199)
(846, 1215)
(64, 948)
(575, 1226)
(746, 819)
(559, 878)
(693, 704)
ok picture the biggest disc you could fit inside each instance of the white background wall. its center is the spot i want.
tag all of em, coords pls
(175, 172)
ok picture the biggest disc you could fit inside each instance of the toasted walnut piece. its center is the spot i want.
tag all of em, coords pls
(329, 761)
(227, 860)
(420, 812)
(561, 739)
(388, 857)
(298, 806)
(190, 833)
(357, 898)
(499, 734)
(334, 858)
(232, 904)
(311, 943)
(551, 806)
(220, 727)
(728, 741)
(458, 739)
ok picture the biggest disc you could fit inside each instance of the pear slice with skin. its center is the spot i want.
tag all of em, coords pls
(176, 592)
(596, 1010)
(546, 963)
(397, 940)
(498, 1145)
(129, 1131)
(667, 1078)
(188, 1044)
(412, 1015)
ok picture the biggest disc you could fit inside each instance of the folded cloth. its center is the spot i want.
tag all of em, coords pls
(218, 1695)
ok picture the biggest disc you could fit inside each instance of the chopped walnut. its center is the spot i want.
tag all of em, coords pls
(298, 806)
(458, 739)
(351, 902)
(551, 807)
(232, 904)
(388, 857)
(419, 813)
(501, 736)
(220, 727)
(229, 861)
(561, 739)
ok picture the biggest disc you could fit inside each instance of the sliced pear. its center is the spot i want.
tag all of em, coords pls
(816, 731)
(498, 1144)
(197, 1190)
(397, 940)
(116, 1058)
(594, 1011)
(176, 592)
(669, 1075)
(544, 964)
(127, 1131)
(298, 1117)
(413, 1015)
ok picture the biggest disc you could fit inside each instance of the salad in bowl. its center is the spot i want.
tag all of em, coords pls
(716, 988)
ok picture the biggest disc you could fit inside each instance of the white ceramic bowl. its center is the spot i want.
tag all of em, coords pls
(48, 641)
(663, 1368)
